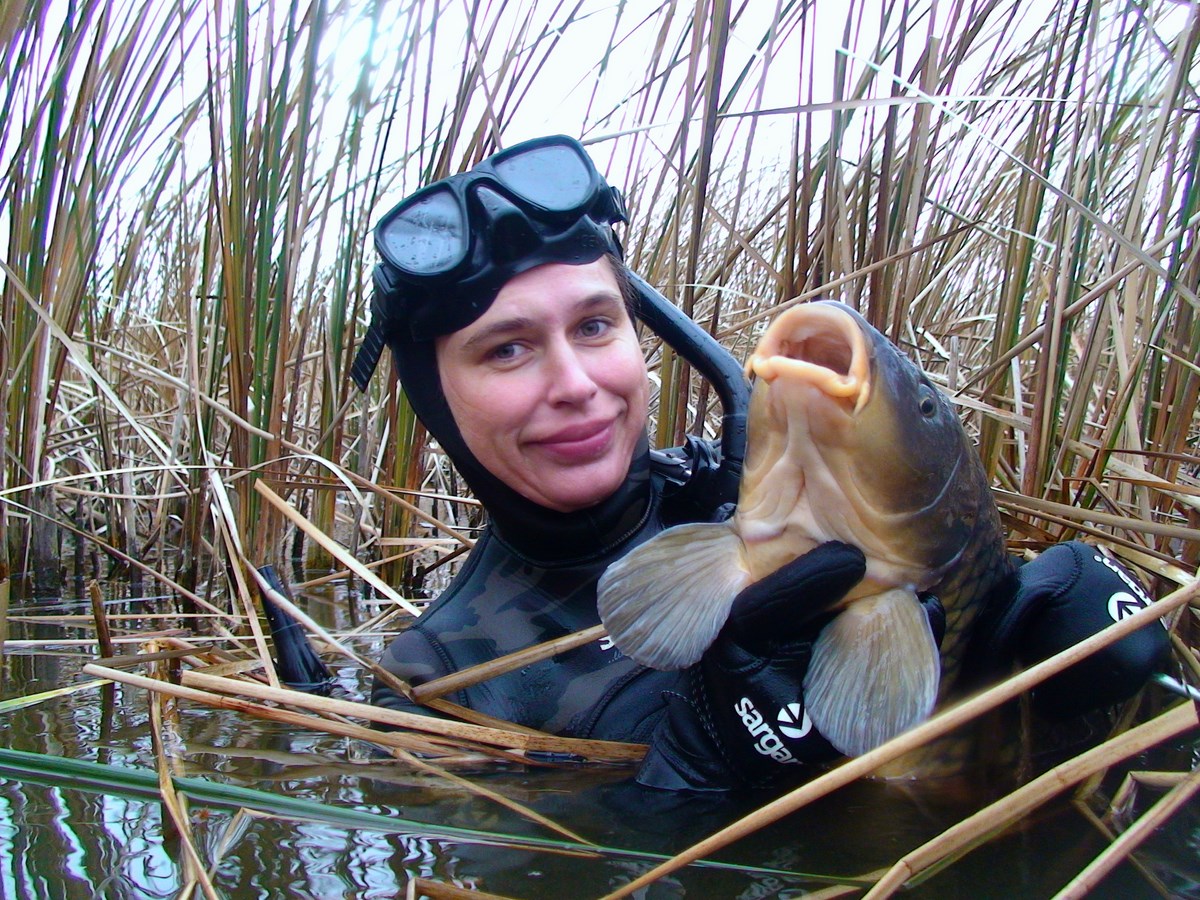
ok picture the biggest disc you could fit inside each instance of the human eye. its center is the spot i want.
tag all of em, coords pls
(506, 352)
(594, 327)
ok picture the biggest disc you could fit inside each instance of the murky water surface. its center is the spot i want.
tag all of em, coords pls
(61, 838)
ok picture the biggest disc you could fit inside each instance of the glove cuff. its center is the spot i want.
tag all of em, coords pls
(1069, 593)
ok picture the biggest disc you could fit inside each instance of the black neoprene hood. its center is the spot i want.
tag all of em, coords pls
(445, 253)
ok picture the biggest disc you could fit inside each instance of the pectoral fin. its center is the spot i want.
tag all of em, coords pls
(665, 602)
(874, 672)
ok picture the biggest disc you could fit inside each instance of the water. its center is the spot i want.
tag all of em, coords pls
(60, 839)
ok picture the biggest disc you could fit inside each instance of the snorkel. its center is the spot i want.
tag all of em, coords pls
(447, 250)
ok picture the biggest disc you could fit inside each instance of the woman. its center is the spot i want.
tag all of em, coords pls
(509, 313)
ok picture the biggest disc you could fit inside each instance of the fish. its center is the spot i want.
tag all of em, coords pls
(848, 440)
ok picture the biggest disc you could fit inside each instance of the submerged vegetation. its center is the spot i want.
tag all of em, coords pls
(1008, 190)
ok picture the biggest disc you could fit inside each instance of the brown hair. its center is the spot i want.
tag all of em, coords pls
(629, 293)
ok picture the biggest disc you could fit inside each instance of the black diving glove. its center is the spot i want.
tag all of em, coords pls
(739, 719)
(1066, 595)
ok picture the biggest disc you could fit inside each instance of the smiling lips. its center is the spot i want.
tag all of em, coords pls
(578, 443)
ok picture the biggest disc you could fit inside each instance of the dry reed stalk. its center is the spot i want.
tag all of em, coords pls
(312, 722)
(986, 824)
(1013, 199)
(1051, 510)
(329, 719)
(1124, 795)
(913, 739)
(139, 638)
(5, 588)
(285, 603)
(479, 790)
(103, 634)
(606, 751)
(1086, 881)
(14, 703)
(393, 497)
(128, 559)
(226, 524)
(173, 802)
(1109, 835)
(379, 672)
(125, 661)
(474, 674)
(333, 548)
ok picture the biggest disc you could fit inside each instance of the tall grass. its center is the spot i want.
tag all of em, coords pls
(189, 197)
(187, 190)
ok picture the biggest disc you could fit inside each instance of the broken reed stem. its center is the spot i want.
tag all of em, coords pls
(285, 603)
(176, 805)
(1110, 834)
(420, 744)
(333, 547)
(392, 681)
(608, 751)
(128, 660)
(941, 723)
(103, 633)
(1083, 883)
(976, 829)
(401, 687)
(401, 745)
(459, 732)
(482, 672)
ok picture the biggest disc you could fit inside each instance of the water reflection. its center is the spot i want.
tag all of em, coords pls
(63, 841)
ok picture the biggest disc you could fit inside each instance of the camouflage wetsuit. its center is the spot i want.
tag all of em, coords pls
(528, 584)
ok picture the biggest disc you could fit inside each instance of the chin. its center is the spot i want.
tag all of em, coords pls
(586, 489)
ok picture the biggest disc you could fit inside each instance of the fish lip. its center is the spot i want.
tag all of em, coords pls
(816, 325)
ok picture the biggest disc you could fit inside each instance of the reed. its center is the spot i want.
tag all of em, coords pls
(1007, 190)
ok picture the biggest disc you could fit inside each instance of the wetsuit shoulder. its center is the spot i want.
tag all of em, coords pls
(500, 603)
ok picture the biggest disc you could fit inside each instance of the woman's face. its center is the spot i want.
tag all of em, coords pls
(549, 387)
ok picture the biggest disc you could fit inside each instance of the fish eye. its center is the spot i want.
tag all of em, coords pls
(928, 405)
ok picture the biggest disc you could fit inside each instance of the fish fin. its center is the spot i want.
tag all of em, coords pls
(874, 672)
(664, 603)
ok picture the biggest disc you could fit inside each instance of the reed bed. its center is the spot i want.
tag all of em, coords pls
(1008, 190)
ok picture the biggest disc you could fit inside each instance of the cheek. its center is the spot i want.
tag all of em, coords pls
(625, 375)
(475, 418)
(485, 411)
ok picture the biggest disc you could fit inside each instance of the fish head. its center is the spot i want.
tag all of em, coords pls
(880, 453)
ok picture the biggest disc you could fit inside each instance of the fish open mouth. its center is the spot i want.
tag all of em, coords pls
(821, 344)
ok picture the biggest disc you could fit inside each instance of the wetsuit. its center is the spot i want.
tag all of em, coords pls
(522, 586)
(736, 717)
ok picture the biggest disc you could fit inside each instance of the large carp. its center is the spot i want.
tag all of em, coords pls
(848, 441)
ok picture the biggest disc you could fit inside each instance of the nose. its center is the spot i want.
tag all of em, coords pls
(510, 234)
(570, 379)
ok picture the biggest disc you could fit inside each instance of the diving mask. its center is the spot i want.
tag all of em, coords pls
(447, 250)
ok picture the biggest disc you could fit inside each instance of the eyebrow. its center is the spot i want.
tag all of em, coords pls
(517, 324)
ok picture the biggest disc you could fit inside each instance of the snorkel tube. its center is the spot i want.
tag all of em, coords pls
(717, 484)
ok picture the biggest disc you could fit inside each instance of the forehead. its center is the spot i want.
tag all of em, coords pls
(546, 295)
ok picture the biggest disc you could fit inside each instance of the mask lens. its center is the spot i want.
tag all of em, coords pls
(427, 236)
(553, 177)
